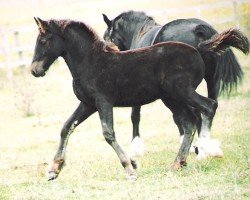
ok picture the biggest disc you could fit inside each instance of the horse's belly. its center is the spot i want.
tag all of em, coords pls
(137, 98)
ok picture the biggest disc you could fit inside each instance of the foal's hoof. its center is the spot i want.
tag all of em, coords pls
(55, 169)
(175, 166)
(178, 165)
(131, 177)
(52, 175)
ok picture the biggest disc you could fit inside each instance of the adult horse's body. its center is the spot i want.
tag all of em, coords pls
(132, 30)
(104, 78)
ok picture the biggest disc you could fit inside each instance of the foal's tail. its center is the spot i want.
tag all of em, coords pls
(228, 72)
(219, 43)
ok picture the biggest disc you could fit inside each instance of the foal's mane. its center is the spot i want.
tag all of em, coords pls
(98, 45)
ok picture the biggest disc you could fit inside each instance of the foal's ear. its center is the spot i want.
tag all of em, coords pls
(42, 25)
(107, 21)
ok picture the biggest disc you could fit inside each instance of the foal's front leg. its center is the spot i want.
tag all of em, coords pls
(81, 113)
(105, 110)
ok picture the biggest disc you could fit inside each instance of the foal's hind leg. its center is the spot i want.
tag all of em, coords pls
(208, 108)
(81, 113)
(187, 121)
(205, 105)
(137, 143)
(105, 110)
(207, 123)
(205, 145)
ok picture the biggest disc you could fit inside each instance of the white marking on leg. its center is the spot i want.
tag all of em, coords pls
(208, 147)
(181, 139)
(71, 129)
(137, 147)
(205, 130)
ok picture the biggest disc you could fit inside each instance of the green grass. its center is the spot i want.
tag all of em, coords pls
(29, 142)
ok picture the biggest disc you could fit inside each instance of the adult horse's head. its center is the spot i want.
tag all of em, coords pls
(49, 47)
(113, 33)
(126, 28)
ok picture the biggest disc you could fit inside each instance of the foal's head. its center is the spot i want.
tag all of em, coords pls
(49, 46)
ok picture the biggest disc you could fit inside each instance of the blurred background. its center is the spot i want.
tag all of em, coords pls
(18, 30)
(33, 110)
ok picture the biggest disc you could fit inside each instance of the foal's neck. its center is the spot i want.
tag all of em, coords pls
(78, 47)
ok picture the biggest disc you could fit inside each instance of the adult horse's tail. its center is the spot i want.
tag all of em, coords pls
(220, 42)
(228, 71)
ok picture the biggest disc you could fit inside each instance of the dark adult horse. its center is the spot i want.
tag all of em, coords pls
(132, 30)
(104, 77)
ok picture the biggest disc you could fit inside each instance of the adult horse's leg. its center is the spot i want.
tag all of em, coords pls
(105, 110)
(137, 143)
(187, 120)
(82, 112)
(135, 118)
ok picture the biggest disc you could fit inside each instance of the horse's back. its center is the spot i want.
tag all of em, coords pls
(154, 72)
(192, 31)
(169, 58)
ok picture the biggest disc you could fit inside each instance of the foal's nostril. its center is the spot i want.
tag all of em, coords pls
(34, 73)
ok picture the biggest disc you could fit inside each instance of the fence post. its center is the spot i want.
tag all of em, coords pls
(6, 55)
(17, 44)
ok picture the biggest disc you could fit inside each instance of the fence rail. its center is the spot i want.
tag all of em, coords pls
(13, 55)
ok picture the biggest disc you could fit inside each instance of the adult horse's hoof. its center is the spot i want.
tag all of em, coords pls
(208, 147)
(52, 175)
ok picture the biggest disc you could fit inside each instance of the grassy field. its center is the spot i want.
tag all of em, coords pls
(33, 111)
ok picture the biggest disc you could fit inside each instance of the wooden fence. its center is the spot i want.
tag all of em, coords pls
(14, 53)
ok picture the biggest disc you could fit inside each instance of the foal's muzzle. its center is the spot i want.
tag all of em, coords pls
(37, 69)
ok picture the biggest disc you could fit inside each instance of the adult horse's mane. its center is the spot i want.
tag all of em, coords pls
(136, 17)
(98, 44)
